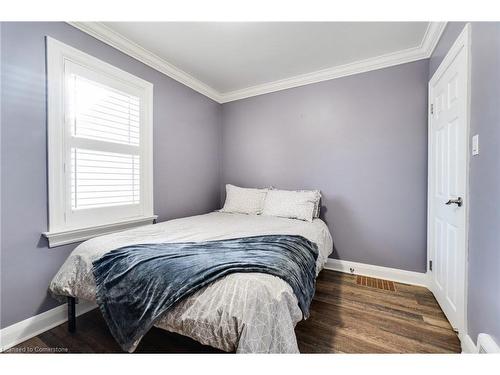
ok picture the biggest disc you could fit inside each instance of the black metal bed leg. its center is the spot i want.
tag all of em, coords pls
(71, 314)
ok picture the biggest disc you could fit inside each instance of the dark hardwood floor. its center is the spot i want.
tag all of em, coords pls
(345, 318)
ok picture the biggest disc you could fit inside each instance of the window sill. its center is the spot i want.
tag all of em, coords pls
(64, 237)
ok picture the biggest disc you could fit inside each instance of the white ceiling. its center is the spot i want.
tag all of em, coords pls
(228, 61)
(229, 56)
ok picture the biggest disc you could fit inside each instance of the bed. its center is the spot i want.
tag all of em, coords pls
(241, 312)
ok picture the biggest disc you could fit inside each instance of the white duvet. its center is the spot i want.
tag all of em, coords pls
(242, 312)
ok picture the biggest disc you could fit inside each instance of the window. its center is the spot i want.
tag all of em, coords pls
(99, 146)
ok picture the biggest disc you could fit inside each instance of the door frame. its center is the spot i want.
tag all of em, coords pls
(463, 41)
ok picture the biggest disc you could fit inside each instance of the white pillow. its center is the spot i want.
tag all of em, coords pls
(317, 207)
(244, 201)
(291, 204)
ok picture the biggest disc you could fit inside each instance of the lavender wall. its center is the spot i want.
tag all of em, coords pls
(484, 215)
(484, 231)
(186, 158)
(362, 140)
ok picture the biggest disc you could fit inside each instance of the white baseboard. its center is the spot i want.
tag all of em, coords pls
(28, 328)
(393, 274)
(468, 346)
(486, 344)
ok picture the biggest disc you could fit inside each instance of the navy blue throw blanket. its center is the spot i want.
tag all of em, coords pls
(137, 284)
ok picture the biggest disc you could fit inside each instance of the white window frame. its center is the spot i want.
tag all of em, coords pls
(65, 226)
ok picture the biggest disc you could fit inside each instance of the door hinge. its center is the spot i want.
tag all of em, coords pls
(432, 109)
(430, 265)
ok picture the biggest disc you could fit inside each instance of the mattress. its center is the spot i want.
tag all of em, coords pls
(242, 312)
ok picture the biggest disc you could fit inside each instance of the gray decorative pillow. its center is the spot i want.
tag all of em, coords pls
(244, 200)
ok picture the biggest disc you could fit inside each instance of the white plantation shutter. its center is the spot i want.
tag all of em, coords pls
(100, 179)
(104, 113)
(99, 146)
(100, 113)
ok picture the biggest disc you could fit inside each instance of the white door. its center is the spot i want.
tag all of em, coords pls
(448, 161)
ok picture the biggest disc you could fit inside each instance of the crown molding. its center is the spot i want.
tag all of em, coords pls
(121, 43)
(118, 41)
(423, 51)
(432, 36)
